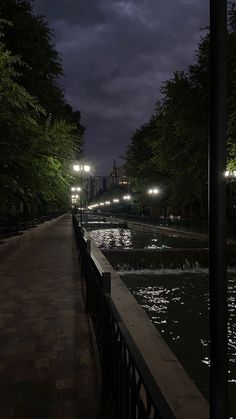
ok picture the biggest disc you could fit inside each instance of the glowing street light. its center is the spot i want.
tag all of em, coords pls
(81, 168)
(77, 167)
(75, 188)
(231, 178)
(86, 168)
(153, 191)
(230, 173)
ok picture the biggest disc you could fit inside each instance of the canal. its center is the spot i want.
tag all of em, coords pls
(176, 300)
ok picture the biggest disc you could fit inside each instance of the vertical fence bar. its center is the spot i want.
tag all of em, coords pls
(217, 211)
(106, 282)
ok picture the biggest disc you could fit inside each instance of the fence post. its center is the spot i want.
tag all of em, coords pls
(89, 247)
(106, 333)
(106, 282)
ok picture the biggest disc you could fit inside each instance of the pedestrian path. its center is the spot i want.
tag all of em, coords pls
(47, 366)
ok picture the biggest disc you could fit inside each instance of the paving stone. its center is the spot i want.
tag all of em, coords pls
(47, 365)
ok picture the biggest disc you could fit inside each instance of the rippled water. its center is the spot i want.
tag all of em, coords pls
(178, 303)
(124, 238)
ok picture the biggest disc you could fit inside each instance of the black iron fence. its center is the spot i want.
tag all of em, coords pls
(128, 388)
(14, 225)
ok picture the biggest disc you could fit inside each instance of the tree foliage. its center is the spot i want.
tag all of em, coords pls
(40, 133)
(171, 149)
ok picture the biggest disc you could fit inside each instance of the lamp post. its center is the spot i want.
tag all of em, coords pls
(217, 212)
(127, 198)
(75, 189)
(231, 177)
(153, 191)
(82, 169)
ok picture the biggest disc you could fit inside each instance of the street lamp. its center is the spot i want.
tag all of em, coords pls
(153, 191)
(75, 188)
(230, 174)
(82, 168)
(231, 177)
(127, 198)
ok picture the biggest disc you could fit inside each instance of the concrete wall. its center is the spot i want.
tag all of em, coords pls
(150, 227)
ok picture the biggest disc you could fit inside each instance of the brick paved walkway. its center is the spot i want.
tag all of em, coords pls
(47, 367)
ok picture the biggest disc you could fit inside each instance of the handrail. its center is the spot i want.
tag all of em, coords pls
(128, 387)
(141, 377)
(153, 403)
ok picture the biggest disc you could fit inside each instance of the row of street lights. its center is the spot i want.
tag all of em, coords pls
(85, 168)
(153, 191)
(81, 169)
(114, 201)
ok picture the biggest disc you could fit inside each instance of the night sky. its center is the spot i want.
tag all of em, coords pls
(116, 54)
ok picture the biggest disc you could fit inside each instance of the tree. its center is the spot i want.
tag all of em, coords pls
(174, 143)
(30, 38)
(35, 149)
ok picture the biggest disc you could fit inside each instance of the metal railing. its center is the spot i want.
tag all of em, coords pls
(129, 390)
(11, 226)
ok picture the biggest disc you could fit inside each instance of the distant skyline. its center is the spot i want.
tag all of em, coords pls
(115, 56)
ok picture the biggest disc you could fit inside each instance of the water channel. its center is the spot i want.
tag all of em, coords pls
(176, 300)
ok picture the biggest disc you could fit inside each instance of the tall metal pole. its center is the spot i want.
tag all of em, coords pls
(81, 200)
(217, 211)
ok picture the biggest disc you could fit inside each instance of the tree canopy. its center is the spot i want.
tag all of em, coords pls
(171, 148)
(40, 133)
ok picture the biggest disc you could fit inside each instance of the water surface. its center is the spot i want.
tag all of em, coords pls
(177, 302)
(178, 305)
(124, 238)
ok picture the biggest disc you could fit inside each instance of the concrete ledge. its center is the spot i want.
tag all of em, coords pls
(11, 244)
(151, 227)
(183, 397)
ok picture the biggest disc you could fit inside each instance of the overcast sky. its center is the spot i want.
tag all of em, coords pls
(116, 54)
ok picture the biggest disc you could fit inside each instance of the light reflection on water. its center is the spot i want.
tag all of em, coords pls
(115, 238)
(178, 305)
(177, 302)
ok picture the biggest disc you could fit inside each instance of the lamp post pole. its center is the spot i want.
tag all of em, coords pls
(82, 168)
(217, 212)
(231, 177)
(81, 201)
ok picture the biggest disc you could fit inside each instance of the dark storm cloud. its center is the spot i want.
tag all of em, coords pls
(116, 54)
